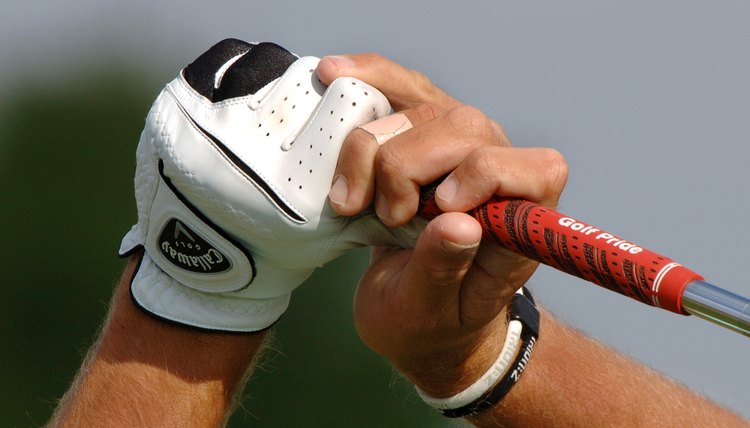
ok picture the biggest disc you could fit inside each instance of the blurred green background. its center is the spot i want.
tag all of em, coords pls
(67, 161)
(646, 100)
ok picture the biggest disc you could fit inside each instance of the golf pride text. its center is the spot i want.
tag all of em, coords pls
(604, 236)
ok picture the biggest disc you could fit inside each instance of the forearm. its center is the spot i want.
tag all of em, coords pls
(572, 380)
(146, 372)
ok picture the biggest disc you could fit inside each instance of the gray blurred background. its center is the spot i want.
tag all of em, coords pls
(649, 102)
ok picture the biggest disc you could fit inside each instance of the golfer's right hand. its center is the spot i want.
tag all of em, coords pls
(437, 311)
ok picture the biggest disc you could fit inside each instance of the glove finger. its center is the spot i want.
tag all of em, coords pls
(260, 66)
(233, 68)
(201, 73)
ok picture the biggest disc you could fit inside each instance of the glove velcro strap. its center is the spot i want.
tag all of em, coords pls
(190, 249)
(161, 296)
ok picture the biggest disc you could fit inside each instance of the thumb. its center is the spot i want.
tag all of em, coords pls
(443, 254)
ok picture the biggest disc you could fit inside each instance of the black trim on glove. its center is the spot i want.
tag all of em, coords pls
(261, 64)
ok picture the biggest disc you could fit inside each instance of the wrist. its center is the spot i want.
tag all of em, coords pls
(494, 384)
(452, 367)
(146, 371)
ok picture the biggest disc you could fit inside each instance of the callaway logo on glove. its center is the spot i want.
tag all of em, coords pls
(233, 170)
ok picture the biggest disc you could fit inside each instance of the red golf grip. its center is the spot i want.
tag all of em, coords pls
(579, 249)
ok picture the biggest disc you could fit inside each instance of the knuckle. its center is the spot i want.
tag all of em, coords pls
(483, 161)
(421, 82)
(389, 163)
(442, 276)
(358, 149)
(428, 90)
(426, 112)
(500, 131)
(373, 57)
(469, 122)
(441, 273)
(359, 141)
(482, 171)
(555, 169)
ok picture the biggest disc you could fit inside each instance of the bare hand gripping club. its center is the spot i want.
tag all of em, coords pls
(605, 259)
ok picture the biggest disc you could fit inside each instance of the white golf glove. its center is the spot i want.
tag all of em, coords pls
(233, 170)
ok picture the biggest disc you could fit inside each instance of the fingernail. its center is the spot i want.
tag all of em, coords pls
(453, 247)
(383, 208)
(339, 191)
(341, 61)
(447, 189)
